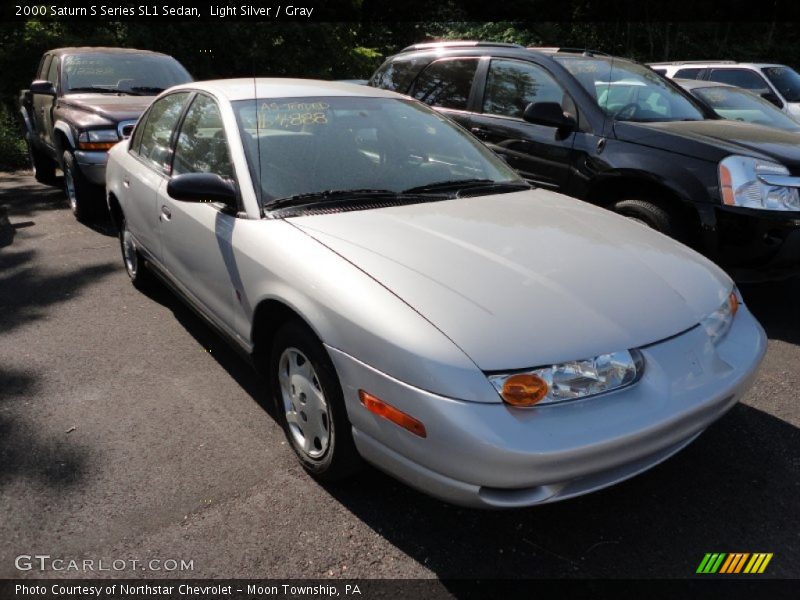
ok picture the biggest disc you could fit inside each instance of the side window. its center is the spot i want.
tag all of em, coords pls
(201, 146)
(688, 73)
(52, 72)
(512, 85)
(396, 75)
(136, 140)
(739, 77)
(153, 142)
(446, 83)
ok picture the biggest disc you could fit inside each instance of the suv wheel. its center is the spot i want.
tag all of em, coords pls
(309, 404)
(653, 215)
(44, 169)
(83, 197)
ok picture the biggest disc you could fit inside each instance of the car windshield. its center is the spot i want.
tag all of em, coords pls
(786, 80)
(628, 91)
(370, 146)
(127, 73)
(740, 105)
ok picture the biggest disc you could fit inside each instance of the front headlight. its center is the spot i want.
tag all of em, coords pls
(719, 322)
(97, 139)
(570, 380)
(754, 183)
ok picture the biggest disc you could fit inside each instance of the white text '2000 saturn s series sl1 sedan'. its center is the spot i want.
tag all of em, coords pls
(416, 304)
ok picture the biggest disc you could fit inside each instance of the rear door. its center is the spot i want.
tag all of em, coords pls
(541, 154)
(148, 160)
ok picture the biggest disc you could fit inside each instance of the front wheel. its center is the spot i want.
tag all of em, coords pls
(310, 405)
(83, 196)
(653, 214)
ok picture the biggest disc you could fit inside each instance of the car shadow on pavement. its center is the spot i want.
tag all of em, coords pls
(22, 195)
(26, 453)
(777, 308)
(734, 489)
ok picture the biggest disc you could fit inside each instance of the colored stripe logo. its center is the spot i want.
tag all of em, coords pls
(734, 563)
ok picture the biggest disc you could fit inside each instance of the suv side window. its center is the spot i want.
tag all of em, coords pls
(511, 85)
(446, 83)
(691, 73)
(153, 143)
(742, 78)
(201, 146)
(52, 72)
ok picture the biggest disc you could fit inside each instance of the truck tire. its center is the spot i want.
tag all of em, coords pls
(44, 168)
(84, 198)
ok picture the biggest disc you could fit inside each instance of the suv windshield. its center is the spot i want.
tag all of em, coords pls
(326, 146)
(629, 91)
(740, 105)
(127, 73)
(786, 80)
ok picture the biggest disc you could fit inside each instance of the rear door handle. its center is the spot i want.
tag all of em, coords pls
(165, 212)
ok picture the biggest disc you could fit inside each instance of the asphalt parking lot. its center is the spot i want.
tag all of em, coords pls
(129, 430)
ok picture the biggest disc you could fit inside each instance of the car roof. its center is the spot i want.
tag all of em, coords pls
(713, 63)
(693, 84)
(274, 87)
(103, 50)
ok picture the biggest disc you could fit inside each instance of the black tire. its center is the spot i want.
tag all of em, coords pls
(84, 197)
(655, 215)
(132, 259)
(44, 168)
(338, 458)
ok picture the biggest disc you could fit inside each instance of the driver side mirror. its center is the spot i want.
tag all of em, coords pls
(202, 187)
(549, 114)
(772, 97)
(42, 86)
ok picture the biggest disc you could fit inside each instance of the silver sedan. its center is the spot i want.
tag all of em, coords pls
(414, 304)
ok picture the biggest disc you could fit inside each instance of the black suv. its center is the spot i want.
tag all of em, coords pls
(615, 133)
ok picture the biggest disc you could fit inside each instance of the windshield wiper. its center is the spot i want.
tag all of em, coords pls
(461, 185)
(147, 89)
(314, 197)
(99, 90)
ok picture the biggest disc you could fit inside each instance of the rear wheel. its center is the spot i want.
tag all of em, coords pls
(653, 214)
(83, 196)
(132, 259)
(44, 168)
(310, 405)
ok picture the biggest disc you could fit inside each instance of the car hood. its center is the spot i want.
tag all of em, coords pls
(714, 139)
(528, 278)
(114, 108)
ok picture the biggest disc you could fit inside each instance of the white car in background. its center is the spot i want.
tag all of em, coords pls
(777, 83)
(414, 303)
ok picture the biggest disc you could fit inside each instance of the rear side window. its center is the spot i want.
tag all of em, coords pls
(687, 73)
(512, 85)
(154, 143)
(742, 78)
(446, 83)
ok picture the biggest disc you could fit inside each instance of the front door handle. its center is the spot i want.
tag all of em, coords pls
(126, 182)
(480, 131)
(166, 213)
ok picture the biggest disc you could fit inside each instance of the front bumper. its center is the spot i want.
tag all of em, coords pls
(493, 456)
(756, 245)
(93, 165)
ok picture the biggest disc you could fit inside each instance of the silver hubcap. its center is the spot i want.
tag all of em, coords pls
(306, 409)
(129, 252)
(69, 185)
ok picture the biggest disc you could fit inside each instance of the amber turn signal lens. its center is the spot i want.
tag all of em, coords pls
(524, 389)
(390, 413)
(734, 303)
(95, 145)
(726, 186)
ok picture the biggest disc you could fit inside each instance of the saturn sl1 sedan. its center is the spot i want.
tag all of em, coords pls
(415, 304)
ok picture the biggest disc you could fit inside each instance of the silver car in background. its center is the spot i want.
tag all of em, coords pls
(415, 304)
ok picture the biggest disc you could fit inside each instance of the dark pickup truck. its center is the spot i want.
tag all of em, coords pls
(82, 102)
